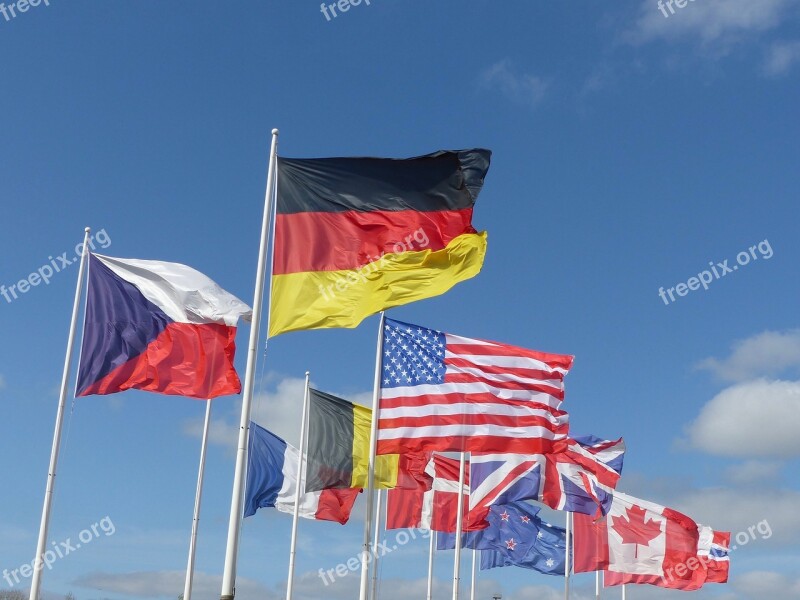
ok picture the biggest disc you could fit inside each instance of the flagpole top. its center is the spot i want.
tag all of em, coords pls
(308, 373)
(275, 132)
(87, 229)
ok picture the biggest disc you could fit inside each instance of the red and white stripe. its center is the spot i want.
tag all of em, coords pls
(495, 398)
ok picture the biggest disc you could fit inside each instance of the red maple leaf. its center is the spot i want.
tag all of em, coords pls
(633, 529)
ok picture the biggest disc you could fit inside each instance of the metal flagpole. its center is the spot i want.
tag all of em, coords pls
(301, 487)
(624, 590)
(36, 578)
(597, 585)
(373, 438)
(474, 565)
(459, 524)
(566, 558)
(376, 539)
(431, 548)
(235, 522)
(187, 586)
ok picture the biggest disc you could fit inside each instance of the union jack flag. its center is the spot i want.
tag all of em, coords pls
(442, 392)
(578, 476)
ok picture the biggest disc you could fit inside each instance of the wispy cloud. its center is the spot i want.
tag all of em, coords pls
(781, 58)
(156, 584)
(753, 419)
(709, 21)
(522, 88)
(767, 354)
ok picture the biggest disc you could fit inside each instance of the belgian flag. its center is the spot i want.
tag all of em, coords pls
(338, 450)
(354, 236)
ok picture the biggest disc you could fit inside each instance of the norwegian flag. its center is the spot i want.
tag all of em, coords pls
(578, 476)
(442, 392)
(712, 552)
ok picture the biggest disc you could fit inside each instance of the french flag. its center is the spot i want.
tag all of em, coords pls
(157, 326)
(272, 482)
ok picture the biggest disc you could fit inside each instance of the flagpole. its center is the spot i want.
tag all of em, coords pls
(597, 585)
(474, 564)
(459, 524)
(624, 594)
(235, 522)
(187, 586)
(301, 488)
(431, 548)
(566, 558)
(376, 539)
(373, 438)
(36, 578)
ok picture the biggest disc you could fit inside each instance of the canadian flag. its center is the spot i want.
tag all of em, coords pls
(434, 509)
(642, 542)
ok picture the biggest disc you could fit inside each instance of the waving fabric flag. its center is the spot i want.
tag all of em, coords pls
(579, 476)
(433, 509)
(516, 536)
(640, 542)
(712, 553)
(354, 236)
(442, 392)
(157, 326)
(272, 482)
(338, 449)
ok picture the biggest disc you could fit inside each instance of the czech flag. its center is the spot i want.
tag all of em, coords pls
(354, 236)
(157, 326)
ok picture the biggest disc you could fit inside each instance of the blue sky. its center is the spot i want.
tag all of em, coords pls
(630, 150)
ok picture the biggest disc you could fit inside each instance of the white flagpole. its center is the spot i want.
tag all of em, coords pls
(187, 586)
(474, 565)
(459, 524)
(431, 548)
(373, 439)
(566, 558)
(376, 539)
(597, 585)
(624, 594)
(235, 522)
(301, 486)
(36, 578)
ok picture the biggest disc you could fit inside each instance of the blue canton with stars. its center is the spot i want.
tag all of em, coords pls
(412, 355)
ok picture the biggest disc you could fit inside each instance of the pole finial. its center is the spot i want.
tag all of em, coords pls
(275, 132)
(87, 229)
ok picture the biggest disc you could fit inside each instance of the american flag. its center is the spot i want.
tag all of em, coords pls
(442, 392)
(578, 476)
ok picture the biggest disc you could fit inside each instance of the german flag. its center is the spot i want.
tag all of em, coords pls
(354, 236)
(338, 450)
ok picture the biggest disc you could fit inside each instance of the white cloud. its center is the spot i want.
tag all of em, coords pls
(766, 354)
(710, 21)
(279, 410)
(766, 584)
(754, 419)
(521, 88)
(781, 58)
(753, 471)
(155, 584)
(309, 586)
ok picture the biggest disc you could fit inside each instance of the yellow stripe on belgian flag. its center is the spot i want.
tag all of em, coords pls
(326, 299)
